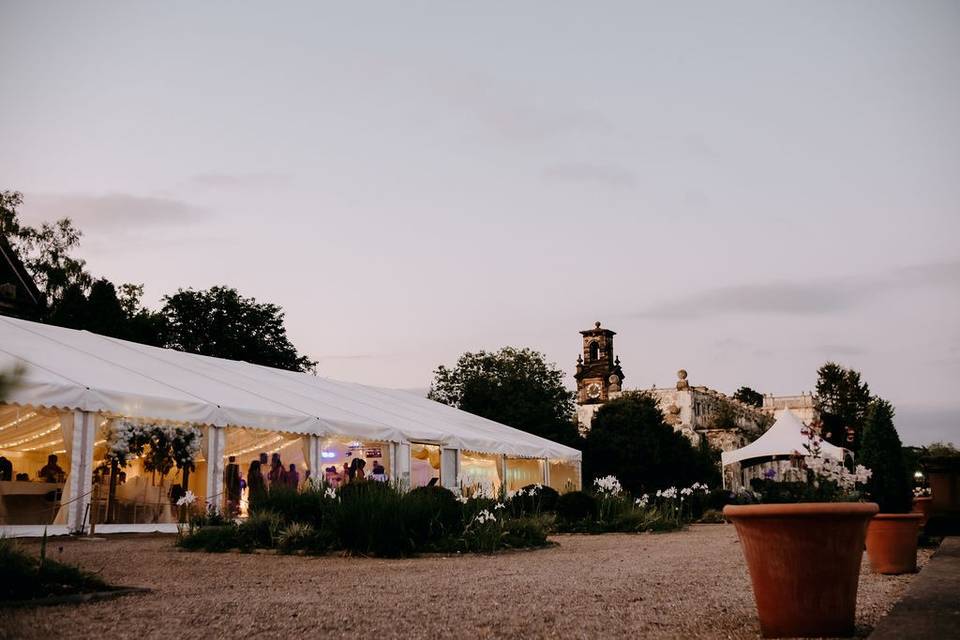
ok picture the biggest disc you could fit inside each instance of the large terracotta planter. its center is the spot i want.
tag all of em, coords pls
(922, 505)
(804, 562)
(892, 542)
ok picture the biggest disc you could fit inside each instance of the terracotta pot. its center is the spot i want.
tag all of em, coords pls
(804, 562)
(923, 505)
(892, 542)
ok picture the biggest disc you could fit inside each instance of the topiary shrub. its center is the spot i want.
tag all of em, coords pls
(576, 506)
(430, 514)
(523, 533)
(882, 452)
(534, 499)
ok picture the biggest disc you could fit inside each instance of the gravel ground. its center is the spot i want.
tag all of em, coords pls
(692, 584)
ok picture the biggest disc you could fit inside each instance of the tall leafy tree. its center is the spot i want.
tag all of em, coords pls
(47, 251)
(882, 452)
(629, 439)
(842, 400)
(516, 387)
(747, 395)
(220, 322)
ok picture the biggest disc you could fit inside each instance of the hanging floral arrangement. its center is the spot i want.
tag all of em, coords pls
(162, 446)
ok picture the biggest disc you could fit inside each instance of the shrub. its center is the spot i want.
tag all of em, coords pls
(291, 505)
(483, 533)
(25, 577)
(576, 506)
(261, 529)
(534, 499)
(430, 514)
(712, 516)
(297, 536)
(368, 520)
(522, 533)
(215, 539)
(882, 452)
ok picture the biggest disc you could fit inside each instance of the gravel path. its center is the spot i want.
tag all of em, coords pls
(692, 584)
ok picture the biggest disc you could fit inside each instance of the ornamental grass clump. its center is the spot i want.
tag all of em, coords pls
(368, 520)
(26, 577)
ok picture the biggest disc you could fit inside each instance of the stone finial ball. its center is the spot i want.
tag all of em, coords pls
(682, 374)
(597, 324)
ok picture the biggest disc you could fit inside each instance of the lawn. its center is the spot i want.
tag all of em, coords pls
(689, 584)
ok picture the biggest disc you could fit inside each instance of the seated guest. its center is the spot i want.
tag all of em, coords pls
(51, 472)
(6, 469)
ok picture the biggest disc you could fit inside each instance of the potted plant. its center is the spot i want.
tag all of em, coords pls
(892, 535)
(804, 550)
(922, 501)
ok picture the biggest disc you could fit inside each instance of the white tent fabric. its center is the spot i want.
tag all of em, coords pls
(784, 438)
(78, 370)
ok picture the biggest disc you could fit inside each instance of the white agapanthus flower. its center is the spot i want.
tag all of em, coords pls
(667, 493)
(499, 506)
(609, 485)
(330, 493)
(484, 517)
(642, 501)
(187, 499)
(686, 491)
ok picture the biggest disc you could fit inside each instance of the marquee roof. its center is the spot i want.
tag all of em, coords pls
(78, 370)
(784, 438)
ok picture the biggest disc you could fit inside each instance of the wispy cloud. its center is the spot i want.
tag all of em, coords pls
(215, 180)
(114, 211)
(817, 297)
(582, 172)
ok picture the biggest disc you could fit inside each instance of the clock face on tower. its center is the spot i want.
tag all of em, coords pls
(593, 391)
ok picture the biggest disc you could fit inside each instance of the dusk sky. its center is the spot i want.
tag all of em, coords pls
(741, 189)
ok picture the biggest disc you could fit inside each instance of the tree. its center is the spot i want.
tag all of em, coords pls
(46, 250)
(882, 452)
(629, 439)
(746, 395)
(516, 387)
(842, 401)
(219, 322)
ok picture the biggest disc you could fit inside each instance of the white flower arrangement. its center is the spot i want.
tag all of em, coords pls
(330, 493)
(499, 506)
(187, 499)
(642, 501)
(921, 492)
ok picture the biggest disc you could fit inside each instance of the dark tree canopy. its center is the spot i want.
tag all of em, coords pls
(842, 400)
(629, 439)
(46, 251)
(882, 452)
(747, 395)
(516, 387)
(219, 322)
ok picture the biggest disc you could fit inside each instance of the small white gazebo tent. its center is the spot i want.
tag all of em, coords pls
(784, 438)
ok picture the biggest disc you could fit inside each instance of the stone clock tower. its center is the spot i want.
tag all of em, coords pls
(599, 376)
